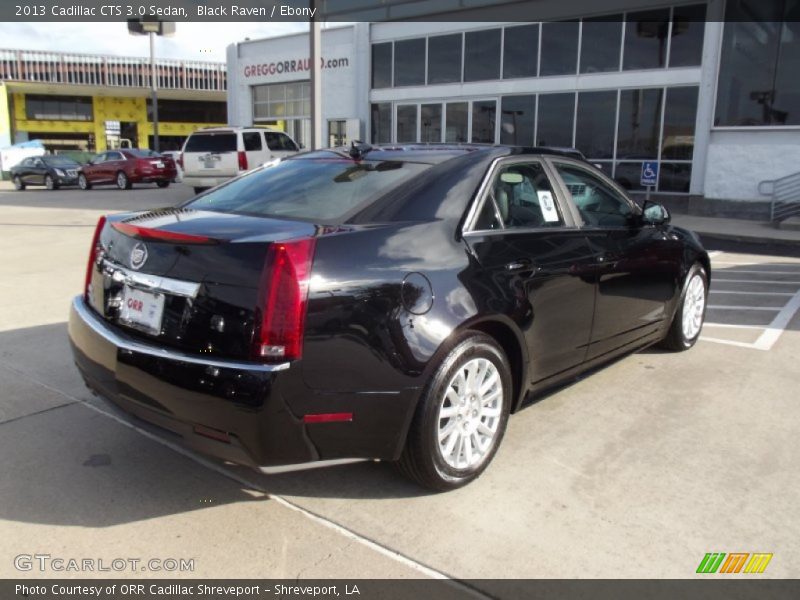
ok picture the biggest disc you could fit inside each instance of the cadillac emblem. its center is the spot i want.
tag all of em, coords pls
(138, 256)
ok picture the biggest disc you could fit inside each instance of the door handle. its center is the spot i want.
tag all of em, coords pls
(522, 264)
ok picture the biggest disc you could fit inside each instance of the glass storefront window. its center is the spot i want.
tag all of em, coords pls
(409, 62)
(559, 48)
(758, 83)
(555, 120)
(444, 58)
(680, 111)
(381, 123)
(456, 122)
(639, 123)
(688, 26)
(600, 44)
(278, 101)
(646, 39)
(484, 116)
(431, 123)
(482, 55)
(406, 123)
(594, 129)
(520, 51)
(628, 175)
(674, 177)
(517, 120)
(382, 65)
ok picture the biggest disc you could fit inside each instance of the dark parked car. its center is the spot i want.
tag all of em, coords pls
(388, 303)
(50, 171)
(125, 167)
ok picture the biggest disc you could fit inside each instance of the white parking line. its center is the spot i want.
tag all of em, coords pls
(763, 272)
(731, 307)
(733, 326)
(718, 280)
(751, 293)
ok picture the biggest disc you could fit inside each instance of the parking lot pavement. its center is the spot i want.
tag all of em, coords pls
(637, 470)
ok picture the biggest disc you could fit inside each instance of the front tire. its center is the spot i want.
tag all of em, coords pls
(18, 185)
(83, 183)
(461, 417)
(123, 182)
(689, 317)
(50, 183)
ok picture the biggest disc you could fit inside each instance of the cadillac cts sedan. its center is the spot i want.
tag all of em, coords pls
(392, 303)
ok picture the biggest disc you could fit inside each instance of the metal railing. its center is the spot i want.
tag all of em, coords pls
(110, 71)
(784, 196)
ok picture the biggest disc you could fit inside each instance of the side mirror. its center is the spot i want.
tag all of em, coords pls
(655, 214)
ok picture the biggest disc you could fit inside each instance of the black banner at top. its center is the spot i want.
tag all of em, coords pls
(366, 10)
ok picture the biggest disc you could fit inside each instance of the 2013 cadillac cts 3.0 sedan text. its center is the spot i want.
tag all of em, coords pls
(393, 303)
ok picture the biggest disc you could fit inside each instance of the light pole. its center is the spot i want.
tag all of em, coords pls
(152, 28)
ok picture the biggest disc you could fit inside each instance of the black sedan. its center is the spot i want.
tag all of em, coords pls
(393, 303)
(51, 171)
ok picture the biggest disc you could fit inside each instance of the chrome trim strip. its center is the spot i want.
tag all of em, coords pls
(317, 464)
(127, 344)
(152, 283)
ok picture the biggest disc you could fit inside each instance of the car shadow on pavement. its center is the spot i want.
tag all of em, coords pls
(68, 464)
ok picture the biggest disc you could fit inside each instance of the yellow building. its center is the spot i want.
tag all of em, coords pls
(91, 103)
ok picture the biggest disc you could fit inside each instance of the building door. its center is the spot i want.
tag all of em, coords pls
(337, 133)
(128, 130)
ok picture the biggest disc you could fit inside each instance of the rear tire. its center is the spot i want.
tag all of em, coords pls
(162, 184)
(691, 313)
(83, 183)
(461, 417)
(200, 190)
(123, 182)
(18, 185)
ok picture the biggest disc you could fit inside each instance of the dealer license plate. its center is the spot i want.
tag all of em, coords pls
(142, 309)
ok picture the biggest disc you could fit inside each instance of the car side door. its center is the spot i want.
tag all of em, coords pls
(37, 172)
(23, 169)
(532, 256)
(114, 162)
(637, 265)
(93, 170)
(254, 148)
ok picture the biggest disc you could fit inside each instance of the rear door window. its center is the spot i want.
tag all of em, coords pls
(251, 140)
(280, 141)
(211, 142)
(319, 190)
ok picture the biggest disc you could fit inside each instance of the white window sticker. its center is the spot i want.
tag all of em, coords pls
(548, 206)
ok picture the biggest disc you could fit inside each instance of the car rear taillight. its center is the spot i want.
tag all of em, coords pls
(242, 160)
(283, 297)
(93, 251)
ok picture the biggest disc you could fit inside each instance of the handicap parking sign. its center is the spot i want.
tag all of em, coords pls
(649, 172)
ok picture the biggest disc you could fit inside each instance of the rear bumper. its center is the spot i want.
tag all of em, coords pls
(204, 182)
(256, 409)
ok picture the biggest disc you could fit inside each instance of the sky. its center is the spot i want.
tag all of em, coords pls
(196, 41)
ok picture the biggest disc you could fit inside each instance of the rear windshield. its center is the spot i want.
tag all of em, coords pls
(320, 190)
(137, 153)
(211, 142)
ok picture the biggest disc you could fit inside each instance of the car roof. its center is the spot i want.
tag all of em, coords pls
(235, 129)
(435, 153)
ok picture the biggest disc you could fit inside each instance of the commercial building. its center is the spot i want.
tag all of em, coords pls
(91, 102)
(708, 90)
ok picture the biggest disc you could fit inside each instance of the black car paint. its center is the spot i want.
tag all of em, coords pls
(33, 171)
(392, 286)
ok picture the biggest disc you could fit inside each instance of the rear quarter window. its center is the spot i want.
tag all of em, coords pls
(280, 141)
(251, 140)
(211, 142)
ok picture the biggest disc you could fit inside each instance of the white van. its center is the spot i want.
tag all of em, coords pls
(213, 155)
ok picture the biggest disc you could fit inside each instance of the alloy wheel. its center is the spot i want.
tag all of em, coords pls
(470, 413)
(693, 307)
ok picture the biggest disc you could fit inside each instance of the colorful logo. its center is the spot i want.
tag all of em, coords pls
(735, 562)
